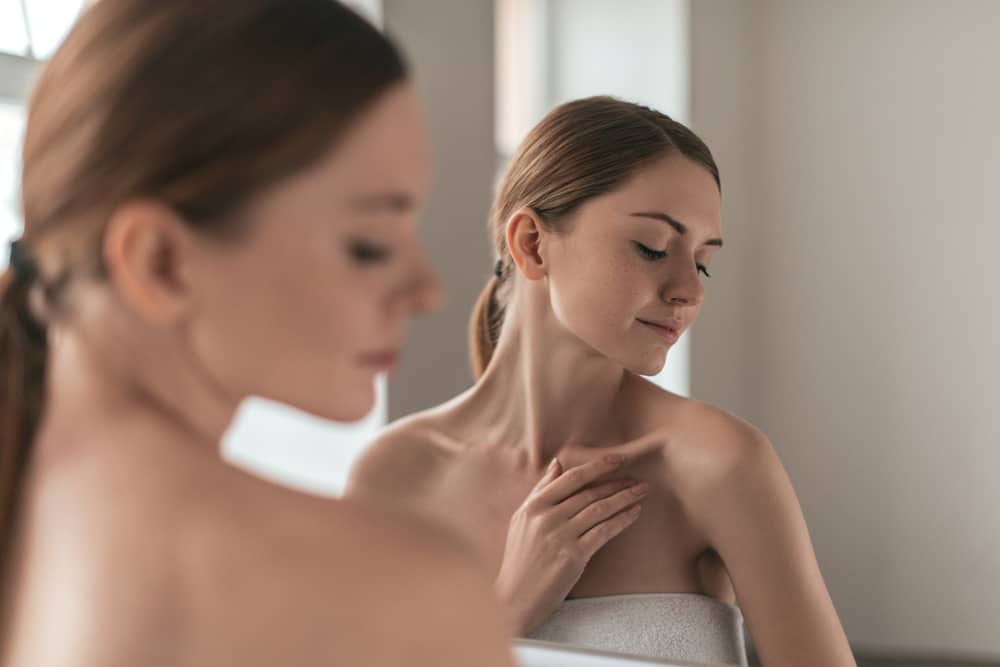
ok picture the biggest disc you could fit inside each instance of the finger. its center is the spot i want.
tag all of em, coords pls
(574, 479)
(604, 532)
(553, 471)
(602, 510)
(572, 506)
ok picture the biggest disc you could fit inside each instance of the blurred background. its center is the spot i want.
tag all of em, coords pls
(853, 314)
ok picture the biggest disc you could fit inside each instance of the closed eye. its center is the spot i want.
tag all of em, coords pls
(364, 252)
(655, 255)
(649, 253)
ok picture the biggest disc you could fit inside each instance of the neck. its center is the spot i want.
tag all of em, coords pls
(545, 389)
(93, 380)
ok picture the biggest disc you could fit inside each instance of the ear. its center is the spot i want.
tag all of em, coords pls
(526, 237)
(145, 244)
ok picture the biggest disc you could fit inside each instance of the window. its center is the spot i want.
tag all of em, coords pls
(34, 28)
(13, 33)
(29, 30)
(11, 130)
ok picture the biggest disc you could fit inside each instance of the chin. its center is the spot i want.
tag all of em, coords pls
(343, 412)
(651, 365)
(342, 402)
(354, 406)
(648, 371)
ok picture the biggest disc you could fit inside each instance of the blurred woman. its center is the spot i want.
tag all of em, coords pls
(219, 201)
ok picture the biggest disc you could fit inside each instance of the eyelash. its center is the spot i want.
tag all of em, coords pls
(656, 255)
(369, 253)
(649, 253)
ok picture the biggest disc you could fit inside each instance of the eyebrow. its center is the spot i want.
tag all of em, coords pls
(677, 225)
(394, 202)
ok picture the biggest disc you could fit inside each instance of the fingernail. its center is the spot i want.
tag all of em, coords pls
(640, 489)
(635, 510)
(553, 464)
(614, 459)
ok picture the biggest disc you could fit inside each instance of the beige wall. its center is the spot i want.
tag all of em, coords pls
(853, 317)
(451, 47)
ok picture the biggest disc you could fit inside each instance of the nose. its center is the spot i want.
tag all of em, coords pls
(683, 286)
(425, 291)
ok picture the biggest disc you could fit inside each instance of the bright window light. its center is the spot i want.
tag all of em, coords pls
(11, 131)
(48, 23)
(13, 36)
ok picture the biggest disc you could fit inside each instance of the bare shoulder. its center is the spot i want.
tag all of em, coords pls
(720, 441)
(403, 460)
(379, 588)
(100, 522)
(176, 558)
(705, 447)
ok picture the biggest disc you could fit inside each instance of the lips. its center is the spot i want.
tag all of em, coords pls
(669, 331)
(383, 360)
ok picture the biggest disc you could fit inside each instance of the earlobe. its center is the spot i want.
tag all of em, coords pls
(142, 250)
(526, 239)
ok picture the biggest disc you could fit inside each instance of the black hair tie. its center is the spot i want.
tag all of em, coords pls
(21, 262)
(498, 269)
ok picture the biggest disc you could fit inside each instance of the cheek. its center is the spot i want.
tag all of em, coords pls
(598, 295)
(341, 315)
(285, 330)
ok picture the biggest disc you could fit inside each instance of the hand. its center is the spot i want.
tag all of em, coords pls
(552, 536)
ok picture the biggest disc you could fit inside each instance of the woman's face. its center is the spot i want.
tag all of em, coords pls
(627, 278)
(314, 303)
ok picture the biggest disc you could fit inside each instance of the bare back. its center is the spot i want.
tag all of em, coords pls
(141, 548)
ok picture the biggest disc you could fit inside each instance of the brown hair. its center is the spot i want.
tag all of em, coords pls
(199, 105)
(580, 150)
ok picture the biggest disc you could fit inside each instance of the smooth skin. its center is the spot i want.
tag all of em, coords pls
(719, 516)
(139, 545)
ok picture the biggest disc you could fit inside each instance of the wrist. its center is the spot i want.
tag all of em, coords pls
(516, 615)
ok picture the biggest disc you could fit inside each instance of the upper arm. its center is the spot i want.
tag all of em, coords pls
(752, 518)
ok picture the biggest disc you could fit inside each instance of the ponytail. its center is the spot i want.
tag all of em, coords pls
(484, 327)
(23, 351)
